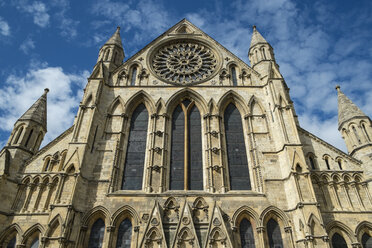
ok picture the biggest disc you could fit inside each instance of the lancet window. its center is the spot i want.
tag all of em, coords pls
(274, 235)
(236, 150)
(124, 234)
(133, 76)
(234, 79)
(96, 234)
(246, 234)
(338, 241)
(186, 171)
(136, 149)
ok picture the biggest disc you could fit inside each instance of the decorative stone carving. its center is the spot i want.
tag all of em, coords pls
(184, 62)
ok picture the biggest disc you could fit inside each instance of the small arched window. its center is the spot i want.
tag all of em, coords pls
(263, 53)
(124, 234)
(256, 56)
(107, 54)
(35, 243)
(46, 164)
(274, 235)
(12, 243)
(233, 76)
(338, 241)
(136, 149)
(29, 137)
(312, 163)
(96, 234)
(339, 164)
(366, 240)
(20, 131)
(246, 234)
(356, 135)
(365, 132)
(327, 163)
(236, 150)
(133, 76)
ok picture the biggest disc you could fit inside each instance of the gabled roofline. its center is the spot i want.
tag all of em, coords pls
(50, 144)
(170, 30)
(316, 138)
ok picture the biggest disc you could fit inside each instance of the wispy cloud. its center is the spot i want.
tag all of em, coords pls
(4, 27)
(38, 10)
(21, 91)
(67, 25)
(27, 45)
(146, 18)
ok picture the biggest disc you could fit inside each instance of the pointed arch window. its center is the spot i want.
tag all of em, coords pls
(186, 171)
(12, 243)
(339, 164)
(338, 241)
(29, 137)
(124, 234)
(133, 76)
(236, 150)
(356, 135)
(327, 163)
(35, 243)
(233, 75)
(136, 149)
(274, 235)
(263, 53)
(365, 132)
(246, 234)
(96, 234)
(18, 135)
(366, 240)
(312, 163)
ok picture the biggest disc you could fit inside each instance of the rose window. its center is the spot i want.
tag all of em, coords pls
(184, 62)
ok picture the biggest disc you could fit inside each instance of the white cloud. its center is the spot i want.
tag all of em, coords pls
(27, 45)
(311, 61)
(38, 10)
(21, 91)
(4, 27)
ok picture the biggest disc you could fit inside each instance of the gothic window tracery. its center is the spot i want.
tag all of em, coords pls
(184, 62)
(136, 149)
(236, 151)
(186, 148)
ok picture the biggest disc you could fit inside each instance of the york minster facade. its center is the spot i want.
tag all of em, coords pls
(185, 145)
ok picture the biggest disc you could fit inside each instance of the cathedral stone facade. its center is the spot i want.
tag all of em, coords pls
(185, 145)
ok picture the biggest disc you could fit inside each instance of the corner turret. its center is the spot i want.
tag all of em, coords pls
(260, 50)
(355, 127)
(26, 137)
(112, 52)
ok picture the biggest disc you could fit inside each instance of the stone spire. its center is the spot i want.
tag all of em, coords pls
(346, 108)
(257, 38)
(115, 39)
(38, 111)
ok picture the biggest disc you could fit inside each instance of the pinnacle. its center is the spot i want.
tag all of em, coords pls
(115, 38)
(346, 108)
(257, 37)
(38, 111)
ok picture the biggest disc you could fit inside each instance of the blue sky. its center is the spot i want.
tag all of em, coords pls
(55, 44)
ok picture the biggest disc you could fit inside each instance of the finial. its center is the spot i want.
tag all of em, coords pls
(254, 27)
(338, 87)
(46, 90)
(118, 28)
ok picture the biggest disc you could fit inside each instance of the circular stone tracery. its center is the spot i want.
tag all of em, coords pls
(184, 62)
